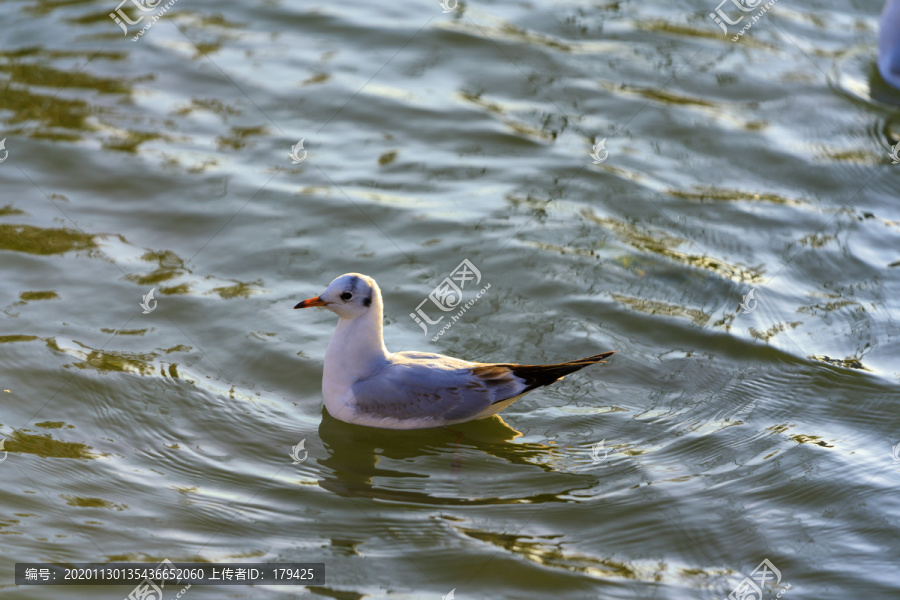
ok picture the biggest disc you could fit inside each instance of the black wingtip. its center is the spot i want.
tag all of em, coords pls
(536, 376)
(595, 358)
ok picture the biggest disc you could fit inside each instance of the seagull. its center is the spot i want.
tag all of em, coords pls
(363, 383)
(889, 43)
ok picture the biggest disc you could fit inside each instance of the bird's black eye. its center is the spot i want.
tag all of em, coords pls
(346, 296)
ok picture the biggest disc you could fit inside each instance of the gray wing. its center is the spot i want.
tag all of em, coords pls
(418, 385)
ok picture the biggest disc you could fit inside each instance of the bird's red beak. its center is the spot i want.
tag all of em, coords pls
(317, 301)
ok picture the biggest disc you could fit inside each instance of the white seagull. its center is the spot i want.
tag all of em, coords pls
(365, 384)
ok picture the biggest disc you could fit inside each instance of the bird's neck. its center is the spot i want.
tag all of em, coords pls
(357, 347)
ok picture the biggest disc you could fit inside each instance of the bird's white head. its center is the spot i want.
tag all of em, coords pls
(350, 296)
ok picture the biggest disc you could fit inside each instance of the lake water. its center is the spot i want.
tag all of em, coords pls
(728, 430)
